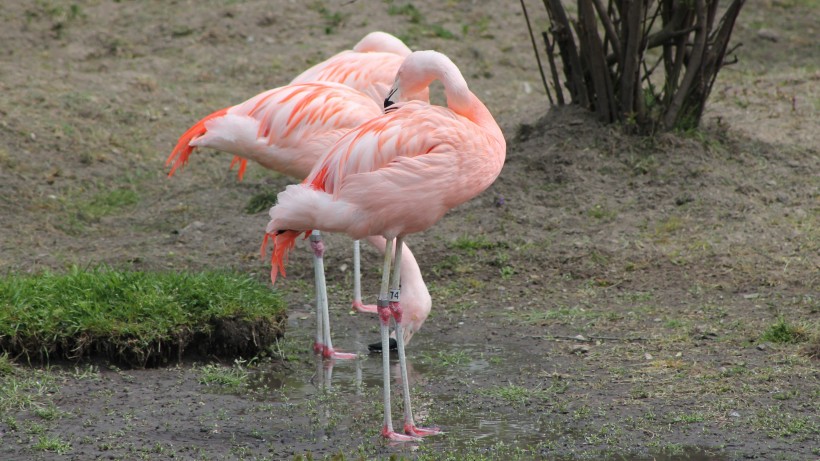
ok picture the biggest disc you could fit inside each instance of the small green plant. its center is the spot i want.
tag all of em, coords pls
(472, 244)
(52, 444)
(332, 19)
(518, 395)
(688, 418)
(409, 10)
(230, 378)
(6, 367)
(784, 332)
(262, 201)
(48, 413)
(447, 358)
(512, 393)
(601, 213)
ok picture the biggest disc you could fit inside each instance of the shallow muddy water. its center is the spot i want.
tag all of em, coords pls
(449, 382)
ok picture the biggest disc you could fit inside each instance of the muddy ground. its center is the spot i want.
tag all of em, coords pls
(670, 256)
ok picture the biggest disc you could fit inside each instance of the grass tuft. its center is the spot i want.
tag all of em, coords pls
(262, 201)
(136, 317)
(231, 379)
(784, 333)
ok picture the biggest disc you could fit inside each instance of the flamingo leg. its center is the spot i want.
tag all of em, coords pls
(358, 305)
(325, 344)
(395, 308)
(318, 272)
(383, 306)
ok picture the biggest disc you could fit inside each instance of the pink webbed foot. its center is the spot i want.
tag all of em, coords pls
(412, 430)
(396, 437)
(330, 353)
(362, 308)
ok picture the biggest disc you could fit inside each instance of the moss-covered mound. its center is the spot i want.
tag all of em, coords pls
(136, 318)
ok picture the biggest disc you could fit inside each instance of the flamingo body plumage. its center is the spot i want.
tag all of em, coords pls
(285, 129)
(395, 175)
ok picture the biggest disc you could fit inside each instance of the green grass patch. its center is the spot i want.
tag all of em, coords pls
(231, 379)
(785, 333)
(134, 317)
(332, 19)
(262, 201)
(470, 244)
(602, 213)
(81, 212)
(446, 358)
(519, 395)
(52, 444)
(409, 10)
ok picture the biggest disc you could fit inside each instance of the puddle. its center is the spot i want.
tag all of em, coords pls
(460, 372)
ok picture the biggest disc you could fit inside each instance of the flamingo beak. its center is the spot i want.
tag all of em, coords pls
(387, 101)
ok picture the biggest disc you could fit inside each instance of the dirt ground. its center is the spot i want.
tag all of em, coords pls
(669, 256)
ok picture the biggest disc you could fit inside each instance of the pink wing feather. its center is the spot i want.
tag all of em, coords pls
(380, 141)
(372, 73)
(286, 129)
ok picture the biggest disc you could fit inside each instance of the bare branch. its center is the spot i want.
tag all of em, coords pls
(629, 81)
(559, 92)
(537, 56)
(609, 28)
(562, 31)
(693, 68)
(596, 63)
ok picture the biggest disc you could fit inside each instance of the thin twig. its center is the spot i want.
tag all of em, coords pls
(573, 71)
(693, 68)
(537, 56)
(609, 28)
(550, 46)
(589, 339)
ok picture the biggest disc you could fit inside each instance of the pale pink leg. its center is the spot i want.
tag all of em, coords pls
(357, 304)
(318, 273)
(395, 308)
(384, 322)
(325, 345)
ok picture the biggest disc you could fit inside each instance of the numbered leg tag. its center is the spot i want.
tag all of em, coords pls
(394, 295)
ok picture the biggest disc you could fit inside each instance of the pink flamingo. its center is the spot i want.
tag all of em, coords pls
(369, 67)
(396, 174)
(287, 129)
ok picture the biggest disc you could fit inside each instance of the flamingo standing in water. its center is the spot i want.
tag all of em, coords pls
(395, 175)
(287, 129)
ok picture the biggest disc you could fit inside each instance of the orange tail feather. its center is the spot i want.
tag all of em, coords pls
(283, 243)
(179, 156)
(243, 164)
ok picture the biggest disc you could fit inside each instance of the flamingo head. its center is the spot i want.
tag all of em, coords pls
(416, 304)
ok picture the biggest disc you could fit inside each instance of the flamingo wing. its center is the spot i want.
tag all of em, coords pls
(410, 130)
(286, 129)
(371, 73)
(421, 159)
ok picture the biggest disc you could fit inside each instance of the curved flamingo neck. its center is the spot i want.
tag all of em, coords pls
(410, 271)
(421, 68)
